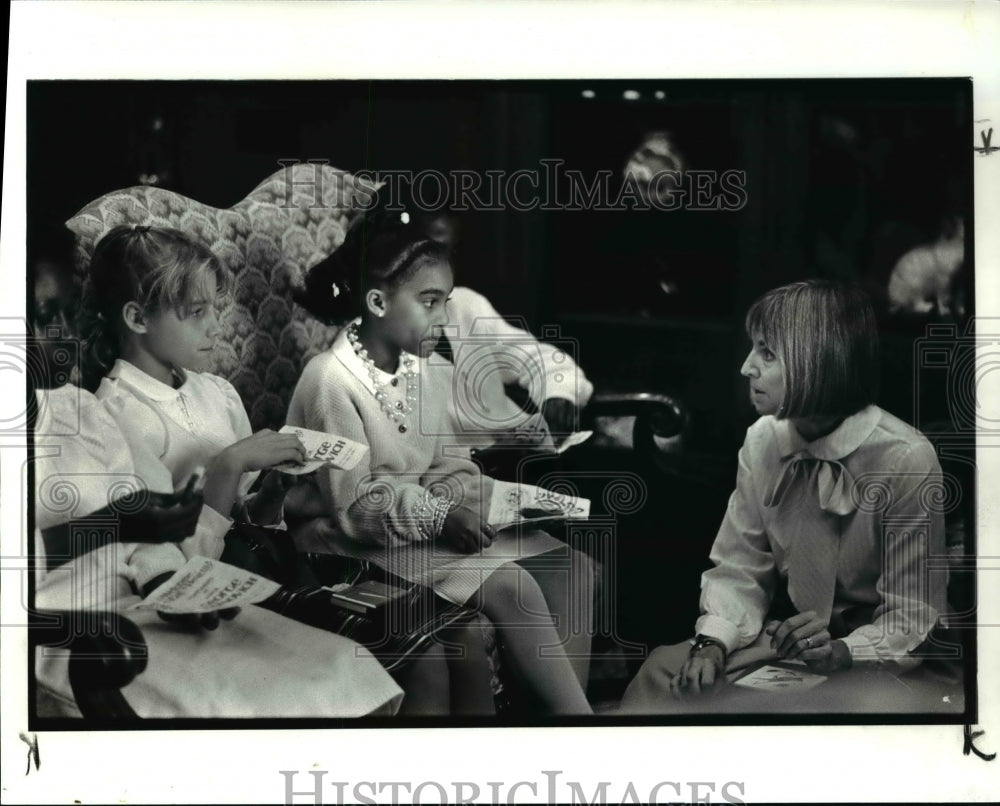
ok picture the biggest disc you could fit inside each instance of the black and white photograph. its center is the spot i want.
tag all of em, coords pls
(397, 429)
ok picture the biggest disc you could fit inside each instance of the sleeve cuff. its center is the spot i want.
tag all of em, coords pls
(574, 388)
(864, 652)
(152, 559)
(213, 522)
(715, 627)
(208, 539)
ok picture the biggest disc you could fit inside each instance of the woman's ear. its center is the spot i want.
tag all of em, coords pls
(375, 302)
(134, 318)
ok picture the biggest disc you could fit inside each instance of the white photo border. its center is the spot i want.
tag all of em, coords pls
(269, 40)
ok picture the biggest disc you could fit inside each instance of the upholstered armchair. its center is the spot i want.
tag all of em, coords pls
(268, 240)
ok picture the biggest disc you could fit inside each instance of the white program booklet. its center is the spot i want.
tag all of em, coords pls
(776, 678)
(574, 439)
(514, 503)
(322, 450)
(203, 585)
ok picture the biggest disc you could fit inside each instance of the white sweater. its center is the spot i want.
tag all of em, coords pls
(386, 500)
(855, 512)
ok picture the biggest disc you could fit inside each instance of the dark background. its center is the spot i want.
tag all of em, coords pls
(842, 178)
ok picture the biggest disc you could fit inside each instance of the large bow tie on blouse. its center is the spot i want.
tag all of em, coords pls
(812, 558)
(832, 481)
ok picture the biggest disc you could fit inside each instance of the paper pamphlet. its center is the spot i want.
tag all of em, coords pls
(525, 503)
(776, 678)
(532, 432)
(576, 438)
(323, 449)
(203, 585)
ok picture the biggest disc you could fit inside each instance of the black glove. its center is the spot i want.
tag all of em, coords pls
(147, 517)
(561, 416)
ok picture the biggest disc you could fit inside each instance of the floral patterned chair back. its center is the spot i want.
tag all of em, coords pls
(268, 240)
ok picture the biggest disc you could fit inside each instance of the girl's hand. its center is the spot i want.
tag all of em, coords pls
(265, 508)
(304, 500)
(262, 450)
(195, 621)
(465, 531)
(802, 636)
(700, 674)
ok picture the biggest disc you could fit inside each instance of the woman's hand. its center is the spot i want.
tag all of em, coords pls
(464, 530)
(805, 637)
(700, 674)
(205, 621)
(832, 657)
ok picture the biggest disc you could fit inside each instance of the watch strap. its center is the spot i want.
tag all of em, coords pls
(703, 641)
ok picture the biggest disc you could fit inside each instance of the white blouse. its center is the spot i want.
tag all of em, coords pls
(849, 520)
(171, 432)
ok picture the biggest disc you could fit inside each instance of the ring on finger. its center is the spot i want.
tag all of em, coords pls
(809, 642)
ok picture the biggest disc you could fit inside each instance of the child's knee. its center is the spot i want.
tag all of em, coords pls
(511, 588)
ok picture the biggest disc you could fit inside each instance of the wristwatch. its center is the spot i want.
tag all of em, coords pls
(703, 641)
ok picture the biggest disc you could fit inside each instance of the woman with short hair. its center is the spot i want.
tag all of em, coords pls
(822, 553)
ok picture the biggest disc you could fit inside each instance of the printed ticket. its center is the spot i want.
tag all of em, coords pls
(322, 450)
(203, 585)
(775, 678)
(525, 503)
(574, 439)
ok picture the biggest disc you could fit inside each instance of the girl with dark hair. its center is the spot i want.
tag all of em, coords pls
(823, 552)
(376, 386)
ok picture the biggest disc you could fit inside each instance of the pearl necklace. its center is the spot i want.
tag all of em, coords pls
(400, 411)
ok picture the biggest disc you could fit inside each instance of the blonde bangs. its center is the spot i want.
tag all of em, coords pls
(185, 273)
(825, 338)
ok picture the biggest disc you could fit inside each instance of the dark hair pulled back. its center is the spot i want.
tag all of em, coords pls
(382, 248)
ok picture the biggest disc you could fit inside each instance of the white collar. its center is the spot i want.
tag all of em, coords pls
(146, 384)
(839, 443)
(344, 351)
